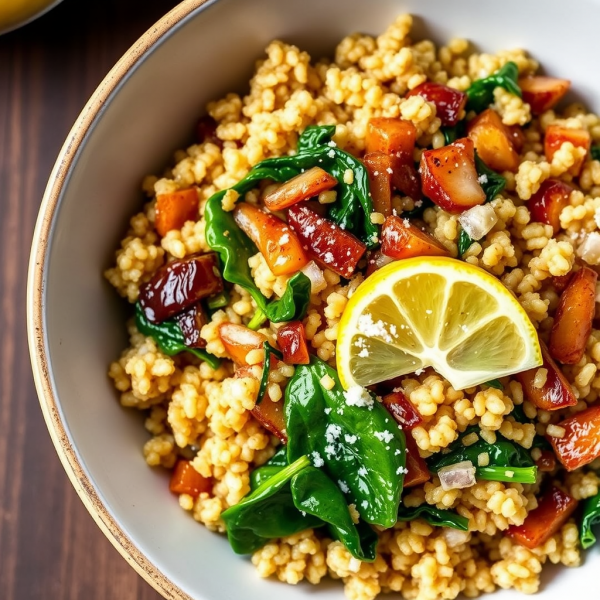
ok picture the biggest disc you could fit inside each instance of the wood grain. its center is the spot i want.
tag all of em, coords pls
(50, 548)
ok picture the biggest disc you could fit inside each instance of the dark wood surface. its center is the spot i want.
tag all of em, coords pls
(50, 548)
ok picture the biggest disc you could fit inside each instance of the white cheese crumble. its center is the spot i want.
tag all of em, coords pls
(343, 486)
(317, 459)
(384, 436)
(358, 396)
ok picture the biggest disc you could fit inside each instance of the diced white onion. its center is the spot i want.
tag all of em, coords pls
(458, 476)
(477, 221)
(317, 279)
(589, 250)
(455, 537)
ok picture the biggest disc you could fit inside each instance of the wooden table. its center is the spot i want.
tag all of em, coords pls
(50, 548)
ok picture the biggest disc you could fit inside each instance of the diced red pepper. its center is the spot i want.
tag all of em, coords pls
(542, 523)
(327, 243)
(547, 203)
(574, 318)
(402, 410)
(390, 136)
(542, 92)
(174, 209)
(556, 393)
(379, 169)
(405, 177)
(302, 187)
(238, 340)
(581, 442)
(291, 339)
(449, 103)
(179, 284)
(277, 242)
(186, 480)
(546, 463)
(556, 135)
(416, 466)
(271, 416)
(191, 321)
(402, 239)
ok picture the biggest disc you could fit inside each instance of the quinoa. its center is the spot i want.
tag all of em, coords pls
(204, 415)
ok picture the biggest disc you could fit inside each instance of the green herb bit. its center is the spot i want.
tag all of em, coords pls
(464, 242)
(494, 383)
(264, 380)
(217, 301)
(514, 474)
(434, 516)
(481, 92)
(595, 152)
(257, 320)
(590, 517)
(492, 183)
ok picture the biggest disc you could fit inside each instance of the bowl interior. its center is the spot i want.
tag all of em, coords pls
(138, 117)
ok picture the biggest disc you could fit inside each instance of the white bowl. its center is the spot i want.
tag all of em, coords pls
(145, 109)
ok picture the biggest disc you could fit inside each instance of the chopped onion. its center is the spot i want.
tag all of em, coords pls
(317, 279)
(455, 537)
(477, 221)
(589, 250)
(458, 476)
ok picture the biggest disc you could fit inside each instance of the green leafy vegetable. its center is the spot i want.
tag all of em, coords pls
(492, 183)
(294, 302)
(361, 446)
(595, 152)
(494, 383)
(257, 319)
(169, 337)
(464, 242)
(434, 516)
(264, 379)
(590, 517)
(514, 474)
(481, 92)
(451, 134)
(218, 300)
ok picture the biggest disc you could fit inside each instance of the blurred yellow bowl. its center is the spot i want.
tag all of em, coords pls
(16, 13)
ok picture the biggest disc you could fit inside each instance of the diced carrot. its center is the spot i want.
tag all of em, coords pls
(174, 209)
(556, 392)
(271, 416)
(238, 340)
(278, 243)
(581, 443)
(327, 243)
(556, 135)
(543, 522)
(379, 169)
(291, 339)
(546, 463)
(449, 103)
(416, 466)
(402, 239)
(186, 480)
(402, 410)
(542, 92)
(302, 187)
(390, 136)
(574, 317)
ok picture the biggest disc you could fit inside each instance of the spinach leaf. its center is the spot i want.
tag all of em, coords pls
(590, 517)
(218, 300)
(492, 183)
(257, 320)
(451, 134)
(595, 152)
(361, 446)
(169, 337)
(264, 379)
(268, 512)
(434, 516)
(464, 242)
(294, 302)
(494, 383)
(510, 474)
(481, 92)
(316, 494)
(270, 468)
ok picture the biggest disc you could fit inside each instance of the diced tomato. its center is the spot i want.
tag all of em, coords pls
(390, 136)
(291, 339)
(402, 239)
(375, 260)
(191, 321)
(542, 92)
(574, 318)
(556, 135)
(547, 203)
(276, 241)
(556, 393)
(271, 416)
(302, 187)
(542, 523)
(405, 177)
(581, 442)
(546, 463)
(327, 243)
(186, 480)
(402, 410)
(517, 136)
(449, 177)
(493, 141)
(206, 131)
(174, 209)
(416, 466)
(179, 284)
(238, 340)
(379, 169)
(449, 103)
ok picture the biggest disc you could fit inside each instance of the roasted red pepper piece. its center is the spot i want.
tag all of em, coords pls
(542, 523)
(302, 187)
(573, 318)
(449, 103)
(271, 416)
(291, 340)
(191, 321)
(379, 169)
(238, 340)
(405, 177)
(555, 393)
(279, 245)
(542, 92)
(581, 442)
(546, 463)
(547, 203)
(395, 137)
(186, 480)
(327, 243)
(179, 284)
(418, 472)
(402, 410)
(556, 135)
(402, 239)
(174, 209)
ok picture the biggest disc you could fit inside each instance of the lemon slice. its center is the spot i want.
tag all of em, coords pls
(438, 312)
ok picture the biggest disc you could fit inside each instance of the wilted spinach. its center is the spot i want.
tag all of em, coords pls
(434, 516)
(595, 152)
(264, 379)
(590, 517)
(480, 94)
(492, 183)
(464, 242)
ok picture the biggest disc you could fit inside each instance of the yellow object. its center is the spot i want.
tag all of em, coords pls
(17, 12)
(438, 312)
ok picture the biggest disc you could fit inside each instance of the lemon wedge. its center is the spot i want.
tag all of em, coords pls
(438, 312)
